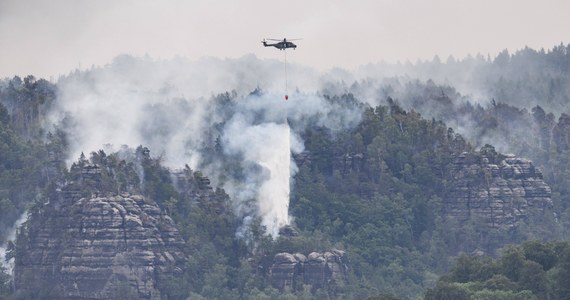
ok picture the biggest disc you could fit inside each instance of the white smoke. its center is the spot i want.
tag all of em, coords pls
(170, 107)
(117, 104)
(267, 146)
(9, 264)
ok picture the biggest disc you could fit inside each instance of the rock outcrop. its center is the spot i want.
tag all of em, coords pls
(98, 247)
(500, 189)
(319, 270)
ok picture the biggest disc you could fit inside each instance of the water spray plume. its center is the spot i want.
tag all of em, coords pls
(274, 193)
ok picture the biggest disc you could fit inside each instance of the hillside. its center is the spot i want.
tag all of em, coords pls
(346, 193)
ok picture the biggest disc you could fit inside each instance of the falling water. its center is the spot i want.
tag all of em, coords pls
(274, 192)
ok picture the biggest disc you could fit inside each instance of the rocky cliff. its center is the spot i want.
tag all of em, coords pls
(99, 246)
(320, 270)
(501, 189)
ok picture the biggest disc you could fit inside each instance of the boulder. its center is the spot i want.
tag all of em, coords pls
(319, 270)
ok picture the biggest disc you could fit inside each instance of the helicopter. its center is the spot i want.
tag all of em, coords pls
(281, 45)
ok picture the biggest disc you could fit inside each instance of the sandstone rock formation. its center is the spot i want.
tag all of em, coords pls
(99, 246)
(317, 269)
(500, 189)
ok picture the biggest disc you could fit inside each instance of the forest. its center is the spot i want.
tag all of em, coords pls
(377, 186)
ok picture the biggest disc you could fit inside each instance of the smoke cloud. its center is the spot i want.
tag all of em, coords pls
(9, 264)
(266, 146)
(179, 109)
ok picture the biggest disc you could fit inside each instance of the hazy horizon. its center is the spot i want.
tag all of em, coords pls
(52, 38)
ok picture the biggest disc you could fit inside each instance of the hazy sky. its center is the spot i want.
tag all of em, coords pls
(52, 37)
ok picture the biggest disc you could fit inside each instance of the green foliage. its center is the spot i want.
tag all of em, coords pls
(378, 192)
(446, 291)
(23, 170)
(513, 275)
(383, 296)
(560, 275)
(472, 268)
(511, 262)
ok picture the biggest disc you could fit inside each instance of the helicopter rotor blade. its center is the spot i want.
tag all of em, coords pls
(275, 40)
